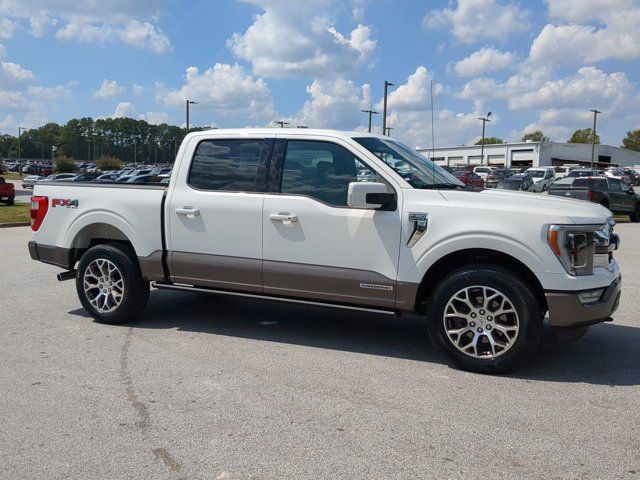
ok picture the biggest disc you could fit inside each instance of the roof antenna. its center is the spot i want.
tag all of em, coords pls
(433, 138)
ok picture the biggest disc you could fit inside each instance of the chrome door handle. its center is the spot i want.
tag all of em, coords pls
(190, 212)
(285, 218)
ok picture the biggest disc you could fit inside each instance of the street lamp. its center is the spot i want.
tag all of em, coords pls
(187, 103)
(282, 123)
(593, 135)
(484, 122)
(388, 131)
(384, 112)
(20, 130)
(370, 112)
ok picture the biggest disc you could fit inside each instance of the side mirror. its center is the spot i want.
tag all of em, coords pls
(369, 195)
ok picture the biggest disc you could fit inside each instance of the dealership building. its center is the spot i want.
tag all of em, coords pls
(532, 154)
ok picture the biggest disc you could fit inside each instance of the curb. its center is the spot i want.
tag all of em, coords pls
(15, 224)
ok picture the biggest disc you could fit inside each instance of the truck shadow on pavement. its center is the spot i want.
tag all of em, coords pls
(607, 355)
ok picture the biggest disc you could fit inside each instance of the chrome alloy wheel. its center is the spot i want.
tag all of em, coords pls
(481, 322)
(103, 285)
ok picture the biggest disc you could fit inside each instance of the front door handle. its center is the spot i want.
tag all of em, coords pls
(285, 218)
(190, 212)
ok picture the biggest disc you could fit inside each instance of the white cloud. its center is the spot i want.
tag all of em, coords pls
(48, 93)
(14, 73)
(122, 20)
(483, 61)
(124, 109)
(224, 89)
(138, 90)
(299, 38)
(7, 28)
(475, 20)
(414, 95)
(155, 118)
(109, 89)
(611, 32)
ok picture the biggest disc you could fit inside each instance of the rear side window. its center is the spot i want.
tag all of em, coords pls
(228, 165)
(616, 185)
(322, 170)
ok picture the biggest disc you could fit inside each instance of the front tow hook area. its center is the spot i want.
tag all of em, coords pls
(70, 275)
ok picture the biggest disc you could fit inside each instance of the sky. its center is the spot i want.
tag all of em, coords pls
(318, 63)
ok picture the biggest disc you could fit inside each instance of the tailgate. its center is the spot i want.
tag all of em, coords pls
(580, 193)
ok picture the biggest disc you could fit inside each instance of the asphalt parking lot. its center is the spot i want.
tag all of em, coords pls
(224, 388)
(23, 195)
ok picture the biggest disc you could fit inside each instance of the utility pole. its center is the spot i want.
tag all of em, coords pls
(484, 122)
(282, 123)
(593, 135)
(187, 103)
(388, 131)
(134, 151)
(20, 149)
(42, 148)
(370, 112)
(384, 112)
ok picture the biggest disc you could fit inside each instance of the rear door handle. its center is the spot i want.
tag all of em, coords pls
(190, 212)
(285, 218)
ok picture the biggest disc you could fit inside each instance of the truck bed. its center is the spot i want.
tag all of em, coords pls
(580, 193)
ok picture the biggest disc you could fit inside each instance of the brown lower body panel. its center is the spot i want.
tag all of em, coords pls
(151, 266)
(566, 309)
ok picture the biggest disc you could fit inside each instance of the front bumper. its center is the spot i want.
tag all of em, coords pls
(566, 309)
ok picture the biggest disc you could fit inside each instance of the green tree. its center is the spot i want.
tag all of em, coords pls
(535, 136)
(490, 141)
(632, 140)
(109, 163)
(65, 165)
(583, 135)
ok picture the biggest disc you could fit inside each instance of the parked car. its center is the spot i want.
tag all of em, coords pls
(634, 175)
(483, 171)
(7, 192)
(496, 176)
(106, 177)
(60, 177)
(86, 177)
(469, 178)
(518, 181)
(30, 180)
(483, 266)
(542, 178)
(148, 178)
(562, 171)
(611, 193)
(619, 174)
(583, 172)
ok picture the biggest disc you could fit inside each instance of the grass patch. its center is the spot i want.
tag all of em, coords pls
(12, 176)
(16, 213)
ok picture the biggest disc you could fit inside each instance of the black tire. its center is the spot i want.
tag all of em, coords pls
(523, 300)
(11, 201)
(635, 216)
(135, 291)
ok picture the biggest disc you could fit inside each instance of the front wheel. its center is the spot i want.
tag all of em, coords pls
(110, 284)
(485, 319)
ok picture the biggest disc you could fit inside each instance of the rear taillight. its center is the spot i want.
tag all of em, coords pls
(39, 207)
(590, 195)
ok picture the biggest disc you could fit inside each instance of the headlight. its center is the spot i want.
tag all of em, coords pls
(574, 245)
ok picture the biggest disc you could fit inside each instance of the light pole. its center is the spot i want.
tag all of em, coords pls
(20, 130)
(370, 112)
(187, 103)
(388, 131)
(484, 122)
(384, 111)
(282, 123)
(593, 135)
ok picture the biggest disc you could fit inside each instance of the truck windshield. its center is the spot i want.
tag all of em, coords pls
(416, 170)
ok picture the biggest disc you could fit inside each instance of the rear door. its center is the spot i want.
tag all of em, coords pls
(315, 246)
(214, 213)
(619, 200)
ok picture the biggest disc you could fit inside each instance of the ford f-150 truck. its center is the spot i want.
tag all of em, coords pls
(341, 219)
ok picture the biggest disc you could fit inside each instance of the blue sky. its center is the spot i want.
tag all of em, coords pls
(535, 64)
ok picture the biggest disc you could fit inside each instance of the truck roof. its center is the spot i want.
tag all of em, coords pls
(284, 132)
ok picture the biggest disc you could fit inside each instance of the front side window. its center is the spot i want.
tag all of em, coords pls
(231, 165)
(616, 185)
(322, 170)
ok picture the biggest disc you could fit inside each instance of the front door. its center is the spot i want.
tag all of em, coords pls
(214, 213)
(315, 246)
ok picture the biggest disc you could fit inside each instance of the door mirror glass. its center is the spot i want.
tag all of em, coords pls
(369, 195)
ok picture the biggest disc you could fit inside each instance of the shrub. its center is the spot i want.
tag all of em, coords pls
(109, 163)
(65, 165)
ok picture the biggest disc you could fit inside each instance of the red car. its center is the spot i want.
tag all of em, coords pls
(7, 192)
(469, 178)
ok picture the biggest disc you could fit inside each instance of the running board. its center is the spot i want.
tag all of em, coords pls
(189, 288)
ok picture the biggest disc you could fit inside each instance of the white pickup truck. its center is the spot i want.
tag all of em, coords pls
(340, 219)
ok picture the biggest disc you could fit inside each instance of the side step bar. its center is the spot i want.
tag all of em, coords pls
(189, 288)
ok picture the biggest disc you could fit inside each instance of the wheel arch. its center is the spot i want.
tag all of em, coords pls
(96, 234)
(468, 257)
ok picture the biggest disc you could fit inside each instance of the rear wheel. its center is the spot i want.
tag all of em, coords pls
(485, 319)
(635, 216)
(11, 201)
(110, 284)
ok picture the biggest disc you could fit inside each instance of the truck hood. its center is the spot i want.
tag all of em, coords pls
(557, 209)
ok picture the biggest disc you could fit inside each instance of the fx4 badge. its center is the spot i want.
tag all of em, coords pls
(64, 202)
(420, 222)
